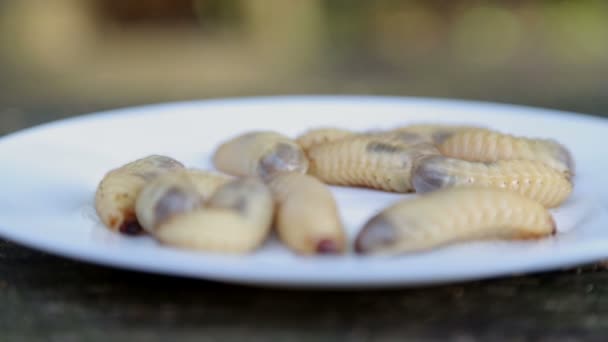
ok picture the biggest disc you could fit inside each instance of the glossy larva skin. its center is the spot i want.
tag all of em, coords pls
(260, 154)
(117, 192)
(454, 215)
(532, 179)
(434, 133)
(206, 183)
(248, 197)
(175, 193)
(236, 220)
(321, 136)
(490, 146)
(367, 162)
(307, 218)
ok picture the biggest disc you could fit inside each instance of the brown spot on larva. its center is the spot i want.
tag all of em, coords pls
(327, 247)
(381, 147)
(113, 221)
(376, 233)
(283, 157)
(130, 227)
(174, 201)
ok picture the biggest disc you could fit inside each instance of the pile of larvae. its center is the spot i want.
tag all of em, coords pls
(475, 184)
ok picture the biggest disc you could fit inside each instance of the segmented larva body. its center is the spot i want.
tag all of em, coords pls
(307, 217)
(532, 179)
(175, 193)
(321, 136)
(395, 137)
(367, 162)
(237, 220)
(434, 133)
(454, 215)
(117, 192)
(489, 146)
(260, 154)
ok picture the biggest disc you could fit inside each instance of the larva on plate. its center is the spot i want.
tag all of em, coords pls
(489, 146)
(260, 154)
(173, 194)
(307, 217)
(435, 133)
(117, 192)
(236, 220)
(321, 136)
(530, 178)
(367, 162)
(451, 216)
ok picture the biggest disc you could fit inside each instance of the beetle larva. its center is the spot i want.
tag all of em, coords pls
(368, 162)
(530, 178)
(173, 194)
(490, 146)
(307, 218)
(248, 197)
(321, 136)
(237, 220)
(117, 192)
(260, 154)
(451, 216)
(435, 133)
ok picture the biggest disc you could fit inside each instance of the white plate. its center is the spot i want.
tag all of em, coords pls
(49, 175)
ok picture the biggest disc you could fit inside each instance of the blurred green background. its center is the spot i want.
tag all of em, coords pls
(66, 57)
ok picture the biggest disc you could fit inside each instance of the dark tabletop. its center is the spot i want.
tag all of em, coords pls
(50, 298)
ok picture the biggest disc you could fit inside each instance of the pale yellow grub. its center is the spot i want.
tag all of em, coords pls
(236, 220)
(530, 178)
(452, 216)
(175, 193)
(321, 136)
(307, 217)
(260, 154)
(117, 192)
(221, 231)
(367, 162)
(490, 146)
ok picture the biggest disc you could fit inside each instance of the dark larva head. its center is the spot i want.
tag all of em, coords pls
(382, 147)
(130, 227)
(175, 201)
(239, 195)
(283, 157)
(430, 175)
(376, 234)
(328, 247)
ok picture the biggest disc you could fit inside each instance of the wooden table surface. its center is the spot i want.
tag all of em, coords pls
(43, 297)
